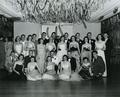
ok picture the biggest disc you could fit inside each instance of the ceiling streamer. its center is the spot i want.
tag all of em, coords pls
(68, 11)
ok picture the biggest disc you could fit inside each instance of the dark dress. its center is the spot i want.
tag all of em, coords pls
(85, 71)
(98, 66)
(15, 76)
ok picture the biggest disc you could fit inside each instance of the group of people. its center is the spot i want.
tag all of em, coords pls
(57, 57)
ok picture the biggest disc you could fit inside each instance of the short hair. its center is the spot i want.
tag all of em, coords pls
(20, 56)
(39, 40)
(34, 34)
(29, 36)
(86, 58)
(65, 56)
(89, 33)
(77, 33)
(62, 37)
(98, 35)
(95, 52)
(66, 33)
(17, 38)
(33, 58)
(22, 35)
(84, 39)
(72, 37)
(48, 57)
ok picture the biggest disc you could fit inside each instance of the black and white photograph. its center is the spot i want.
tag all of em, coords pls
(59, 48)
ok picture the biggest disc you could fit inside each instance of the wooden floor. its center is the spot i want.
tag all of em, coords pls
(85, 88)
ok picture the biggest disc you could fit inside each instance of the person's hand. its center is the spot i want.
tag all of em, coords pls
(18, 73)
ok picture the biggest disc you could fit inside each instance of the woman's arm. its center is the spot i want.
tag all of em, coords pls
(38, 67)
(78, 48)
(104, 47)
(60, 29)
(47, 32)
(69, 46)
(15, 70)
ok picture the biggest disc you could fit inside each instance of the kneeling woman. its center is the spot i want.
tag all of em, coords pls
(18, 69)
(65, 69)
(50, 70)
(33, 72)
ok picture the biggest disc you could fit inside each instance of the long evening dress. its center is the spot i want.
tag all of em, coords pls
(65, 70)
(41, 57)
(33, 72)
(62, 50)
(19, 68)
(50, 71)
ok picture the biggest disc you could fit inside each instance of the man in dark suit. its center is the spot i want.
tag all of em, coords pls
(28, 58)
(92, 41)
(108, 44)
(98, 65)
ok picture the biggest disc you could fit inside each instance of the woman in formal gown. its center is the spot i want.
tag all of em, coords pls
(75, 51)
(86, 50)
(8, 49)
(18, 47)
(30, 45)
(23, 41)
(65, 69)
(18, 69)
(33, 71)
(50, 46)
(49, 70)
(61, 49)
(41, 55)
(100, 47)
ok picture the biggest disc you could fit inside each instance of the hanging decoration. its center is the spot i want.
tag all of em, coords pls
(70, 11)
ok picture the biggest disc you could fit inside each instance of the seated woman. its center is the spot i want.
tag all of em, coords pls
(33, 72)
(65, 69)
(85, 69)
(50, 70)
(18, 69)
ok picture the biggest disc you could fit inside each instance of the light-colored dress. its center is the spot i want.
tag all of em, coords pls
(62, 50)
(50, 71)
(18, 47)
(33, 72)
(99, 47)
(8, 50)
(24, 52)
(50, 47)
(41, 56)
(65, 70)
(30, 46)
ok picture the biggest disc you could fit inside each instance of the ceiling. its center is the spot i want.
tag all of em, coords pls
(7, 10)
(104, 11)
